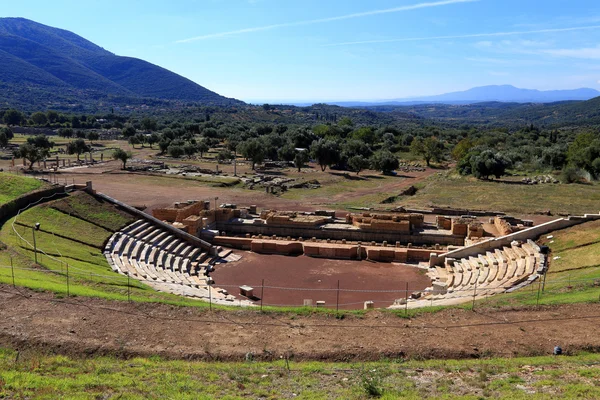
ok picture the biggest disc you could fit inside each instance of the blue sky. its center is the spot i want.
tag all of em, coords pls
(309, 50)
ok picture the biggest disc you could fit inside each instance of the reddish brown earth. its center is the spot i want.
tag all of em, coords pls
(140, 189)
(84, 326)
(322, 276)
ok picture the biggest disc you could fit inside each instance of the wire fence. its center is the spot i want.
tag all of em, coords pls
(265, 295)
(338, 296)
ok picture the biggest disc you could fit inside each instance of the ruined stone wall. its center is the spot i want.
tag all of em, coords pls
(401, 223)
(178, 214)
(503, 226)
(290, 218)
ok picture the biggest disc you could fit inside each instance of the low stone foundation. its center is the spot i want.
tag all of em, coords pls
(328, 250)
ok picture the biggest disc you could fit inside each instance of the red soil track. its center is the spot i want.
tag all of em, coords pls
(317, 273)
(85, 327)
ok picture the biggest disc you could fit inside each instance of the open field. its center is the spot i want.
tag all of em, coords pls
(32, 374)
(453, 190)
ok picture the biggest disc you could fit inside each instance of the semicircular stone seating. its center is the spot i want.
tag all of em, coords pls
(162, 261)
(498, 270)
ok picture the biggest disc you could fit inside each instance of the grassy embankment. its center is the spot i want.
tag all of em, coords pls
(33, 375)
(13, 186)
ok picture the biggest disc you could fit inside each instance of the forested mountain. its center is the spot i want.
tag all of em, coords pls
(505, 114)
(42, 65)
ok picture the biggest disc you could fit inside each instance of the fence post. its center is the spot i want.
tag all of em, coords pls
(209, 297)
(475, 290)
(262, 294)
(406, 300)
(12, 268)
(68, 290)
(128, 289)
(544, 282)
(538, 294)
(337, 298)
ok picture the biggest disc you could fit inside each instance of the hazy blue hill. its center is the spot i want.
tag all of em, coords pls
(45, 59)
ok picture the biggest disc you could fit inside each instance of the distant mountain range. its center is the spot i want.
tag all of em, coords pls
(482, 94)
(50, 65)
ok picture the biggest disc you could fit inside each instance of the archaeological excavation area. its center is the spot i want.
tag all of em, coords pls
(246, 256)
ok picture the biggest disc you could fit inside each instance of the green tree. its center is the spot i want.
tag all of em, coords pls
(300, 159)
(252, 150)
(163, 145)
(122, 155)
(93, 136)
(462, 148)
(35, 149)
(138, 138)
(202, 147)
(149, 124)
(429, 148)
(7, 132)
(65, 132)
(41, 141)
(52, 116)
(358, 163)
(78, 147)
(584, 151)
(39, 118)
(224, 155)
(175, 150)
(152, 139)
(128, 131)
(3, 139)
(325, 152)
(287, 152)
(384, 161)
(488, 163)
(13, 117)
(189, 149)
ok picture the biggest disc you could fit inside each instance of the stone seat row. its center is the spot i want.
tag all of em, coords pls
(489, 273)
(157, 258)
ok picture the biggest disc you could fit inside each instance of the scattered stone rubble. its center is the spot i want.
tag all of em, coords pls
(539, 179)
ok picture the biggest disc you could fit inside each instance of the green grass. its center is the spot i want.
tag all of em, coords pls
(52, 220)
(30, 374)
(13, 186)
(94, 210)
(450, 189)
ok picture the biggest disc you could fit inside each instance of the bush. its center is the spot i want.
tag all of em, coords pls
(570, 174)
(372, 383)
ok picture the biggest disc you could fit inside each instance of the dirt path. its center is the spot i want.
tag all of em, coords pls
(83, 326)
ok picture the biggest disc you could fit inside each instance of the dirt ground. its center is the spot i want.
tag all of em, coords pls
(162, 191)
(321, 275)
(84, 326)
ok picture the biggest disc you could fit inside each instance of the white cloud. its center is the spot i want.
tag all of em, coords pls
(590, 53)
(474, 35)
(324, 20)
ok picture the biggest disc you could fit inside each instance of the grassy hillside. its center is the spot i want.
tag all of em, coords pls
(13, 186)
(33, 375)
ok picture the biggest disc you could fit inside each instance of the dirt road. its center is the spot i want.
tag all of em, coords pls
(83, 326)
